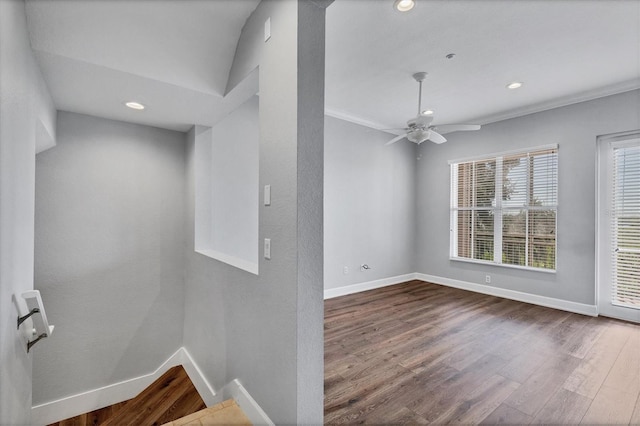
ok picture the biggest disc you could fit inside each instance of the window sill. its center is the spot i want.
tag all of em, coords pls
(502, 265)
(245, 265)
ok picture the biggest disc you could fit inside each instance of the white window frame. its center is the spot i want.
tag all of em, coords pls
(498, 208)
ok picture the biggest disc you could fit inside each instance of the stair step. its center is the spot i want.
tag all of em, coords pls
(225, 413)
(170, 397)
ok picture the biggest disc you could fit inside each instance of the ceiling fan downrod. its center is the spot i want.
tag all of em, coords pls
(419, 77)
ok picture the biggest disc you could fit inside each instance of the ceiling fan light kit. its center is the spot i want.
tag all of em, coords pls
(419, 128)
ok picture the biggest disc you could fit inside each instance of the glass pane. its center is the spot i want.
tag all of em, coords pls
(484, 183)
(626, 227)
(542, 239)
(465, 234)
(514, 181)
(626, 285)
(543, 171)
(514, 237)
(483, 235)
(465, 188)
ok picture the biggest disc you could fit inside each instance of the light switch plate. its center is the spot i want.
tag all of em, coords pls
(267, 29)
(267, 248)
(267, 195)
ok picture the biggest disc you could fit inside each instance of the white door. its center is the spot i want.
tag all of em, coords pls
(618, 252)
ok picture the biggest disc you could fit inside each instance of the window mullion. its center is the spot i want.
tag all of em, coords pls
(497, 213)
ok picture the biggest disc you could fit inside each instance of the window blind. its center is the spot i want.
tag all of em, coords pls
(625, 223)
(504, 208)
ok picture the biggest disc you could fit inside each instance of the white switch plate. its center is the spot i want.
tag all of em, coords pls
(267, 195)
(267, 248)
(267, 29)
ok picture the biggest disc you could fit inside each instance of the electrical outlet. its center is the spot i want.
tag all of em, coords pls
(487, 279)
(345, 270)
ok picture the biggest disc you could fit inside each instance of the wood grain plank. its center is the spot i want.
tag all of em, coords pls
(542, 384)
(564, 407)
(419, 352)
(505, 415)
(588, 377)
(479, 403)
(611, 406)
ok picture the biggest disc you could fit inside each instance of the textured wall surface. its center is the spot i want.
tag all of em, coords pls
(110, 224)
(272, 322)
(26, 114)
(369, 204)
(575, 129)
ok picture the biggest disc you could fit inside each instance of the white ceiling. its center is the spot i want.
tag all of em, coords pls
(175, 55)
(172, 56)
(563, 51)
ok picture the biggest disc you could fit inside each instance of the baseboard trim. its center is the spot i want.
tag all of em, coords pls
(369, 285)
(549, 302)
(249, 406)
(202, 385)
(85, 402)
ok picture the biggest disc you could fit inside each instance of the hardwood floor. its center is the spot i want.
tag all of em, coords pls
(169, 398)
(422, 353)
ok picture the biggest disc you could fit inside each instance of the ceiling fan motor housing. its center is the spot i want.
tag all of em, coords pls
(421, 121)
(418, 135)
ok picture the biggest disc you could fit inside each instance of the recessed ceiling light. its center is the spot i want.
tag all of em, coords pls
(404, 5)
(427, 112)
(514, 85)
(135, 105)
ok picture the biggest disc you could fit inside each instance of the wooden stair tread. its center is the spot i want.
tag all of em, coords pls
(225, 413)
(170, 397)
(160, 401)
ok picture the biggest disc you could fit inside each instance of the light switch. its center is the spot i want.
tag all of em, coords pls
(267, 29)
(267, 195)
(267, 248)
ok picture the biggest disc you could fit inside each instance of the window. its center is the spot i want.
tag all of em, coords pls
(503, 209)
(625, 225)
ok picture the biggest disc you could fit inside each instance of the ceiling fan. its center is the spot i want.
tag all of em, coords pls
(419, 128)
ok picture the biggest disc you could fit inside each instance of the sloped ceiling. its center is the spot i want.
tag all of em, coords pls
(174, 56)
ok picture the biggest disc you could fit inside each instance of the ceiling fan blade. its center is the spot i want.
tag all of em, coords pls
(396, 139)
(436, 137)
(448, 128)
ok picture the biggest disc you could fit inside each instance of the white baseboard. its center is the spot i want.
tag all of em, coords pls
(550, 302)
(249, 406)
(85, 402)
(204, 388)
(369, 285)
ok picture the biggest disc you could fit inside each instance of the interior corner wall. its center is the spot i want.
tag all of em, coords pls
(272, 321)
(109, 259)
(575, 129)
(24, 101)
(369, 205)
(204, 334)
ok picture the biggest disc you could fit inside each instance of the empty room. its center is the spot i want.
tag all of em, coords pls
(317, 211)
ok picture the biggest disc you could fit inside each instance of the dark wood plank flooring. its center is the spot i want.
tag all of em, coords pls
(422, 353)
(169, 398)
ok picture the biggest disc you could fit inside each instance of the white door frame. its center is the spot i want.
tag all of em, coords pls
(604, 163)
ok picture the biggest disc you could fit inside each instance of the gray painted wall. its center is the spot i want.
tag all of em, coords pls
(575, 128)
(26, 114)
(272, 322)
(109, 257)
(234, 183)
(369, 204)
